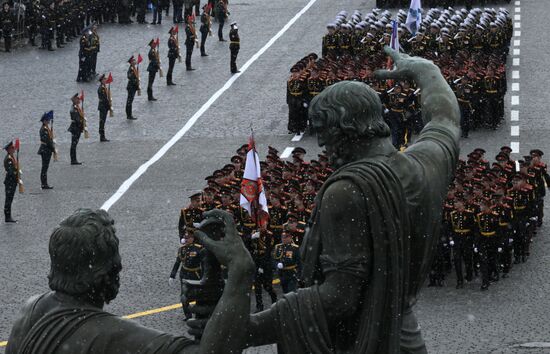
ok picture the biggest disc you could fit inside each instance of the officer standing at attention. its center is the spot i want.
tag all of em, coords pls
(154, 66)
(132, 87)
(173, 54)
(77, 127)
(191, 37)
(103, 106)
(189, 259)
(287, 257)
(47, 147)
(234, 46)
(11, 166)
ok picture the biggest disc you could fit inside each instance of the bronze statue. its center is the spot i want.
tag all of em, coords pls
(84, 275)
(376, 221)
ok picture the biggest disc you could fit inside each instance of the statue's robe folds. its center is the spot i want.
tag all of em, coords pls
(402, 197)
(55, 323)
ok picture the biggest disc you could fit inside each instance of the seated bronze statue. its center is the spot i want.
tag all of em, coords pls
(84, 275)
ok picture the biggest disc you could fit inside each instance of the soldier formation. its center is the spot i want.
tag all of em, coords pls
(491, 215)
(61, 21)
(443, 3)
(470, 47)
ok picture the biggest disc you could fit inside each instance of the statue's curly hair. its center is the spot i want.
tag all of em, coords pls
(351, 106)
(85, 259)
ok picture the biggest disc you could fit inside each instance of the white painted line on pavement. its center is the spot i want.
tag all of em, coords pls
(515, 100)
(514, 130)
(517, 42)
(141, 170)
(515, 61)
(517, 9)
(515, 86)
(516, 51)
(517, 25)
(515, 74)
(514, 117)
(517, 33)
(515, 147)
(297, 137)
(517, 17)
(517, 3)
(287, 151)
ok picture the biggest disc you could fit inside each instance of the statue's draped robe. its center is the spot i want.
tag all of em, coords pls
(84, 329)
(403, 195)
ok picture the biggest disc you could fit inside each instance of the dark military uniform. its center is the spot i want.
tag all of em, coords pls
(295, 98)
(488, 243)
(103, 106)
(7, 24)
(505, 235)
(189, 217)
(492, 100)
(132, 87)
(46, 150)
(287, 257)
(189, 45)
(261, 249)
(277, 218)
(462, 234)
(152, 68)
(520, 205)
(189, 257)
(10, 184)
(84, 59)
(234, 47)
(76, 128)
(396, 116)
(94, 50)
(205, 30)
(173, 54)
(464, 92)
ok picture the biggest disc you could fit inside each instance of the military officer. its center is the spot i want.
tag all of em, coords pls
(487, 243)
(190, 39)
(95, 49)
(78, 124)
(153, 68)
(103, 106)
(173, 54)
(190, 216)
(462, 222)
(234, 46)
(189, 258)
(47, 147)
(7, 24)
(287, 256)
(11, 166)
(205, 29)
(132, 87)
(261, 248)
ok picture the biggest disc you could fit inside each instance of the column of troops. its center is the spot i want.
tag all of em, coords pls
(490, 217)
(470, 47)
(291, 187)
(443, 3)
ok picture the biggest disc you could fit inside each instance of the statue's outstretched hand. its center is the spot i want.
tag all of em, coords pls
(229, 249)
(406, 67)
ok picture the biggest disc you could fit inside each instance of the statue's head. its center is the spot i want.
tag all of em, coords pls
(345, 114)
(85, 261)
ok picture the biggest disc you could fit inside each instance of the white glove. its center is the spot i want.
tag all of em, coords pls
(279, 265)
(196, 224)
(305, 105)
(255, 235)
(261, 270)
(510, 240)
(452, 243)
(499, 250)
(475, 249)
(171, 281)
(386, 110)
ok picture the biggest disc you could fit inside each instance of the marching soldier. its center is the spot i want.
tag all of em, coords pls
(261, 247)
(153, 68)
(189, 258)
(330, 42)
(191, 38)
(132, 87)
(488, 243)
(205, 29)
(287, 257)
(11, 166)
(491, 86)
(78, 124)
(173, 54)
(103, 106)
(464, 92)
(296, 90)
(234, 46)
(462, 222)
(190, 216)
(47, 147)
(519, 196)
(277, 216)
(506, 215)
